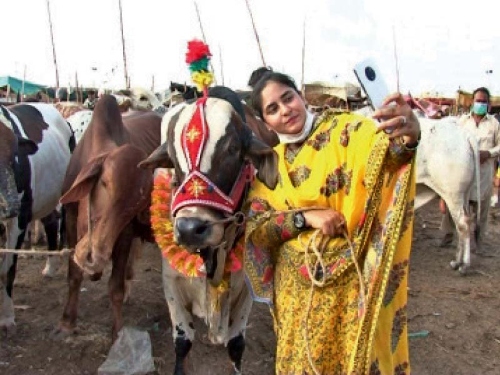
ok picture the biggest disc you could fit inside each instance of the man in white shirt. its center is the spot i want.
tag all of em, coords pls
(487, 130)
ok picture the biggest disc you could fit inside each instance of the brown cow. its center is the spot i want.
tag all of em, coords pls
(107, 201)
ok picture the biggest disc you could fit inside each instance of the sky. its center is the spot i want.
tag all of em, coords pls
(425, 46)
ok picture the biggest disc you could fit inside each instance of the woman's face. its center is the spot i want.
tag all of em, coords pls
(283, 108)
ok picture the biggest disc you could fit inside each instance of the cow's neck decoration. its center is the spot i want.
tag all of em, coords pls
(179, 258)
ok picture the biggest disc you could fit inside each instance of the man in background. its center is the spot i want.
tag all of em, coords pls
(91, 100)
(487, 130)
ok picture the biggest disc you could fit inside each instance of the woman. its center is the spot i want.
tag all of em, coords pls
(345, 188)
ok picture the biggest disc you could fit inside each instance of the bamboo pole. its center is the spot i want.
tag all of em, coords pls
(395, 57)
(125, 72)
(302, 85)
(204, 37)
(256, 34)
(53, 45)
(221, 65)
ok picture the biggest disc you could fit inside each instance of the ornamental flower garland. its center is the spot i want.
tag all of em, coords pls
(180, 259)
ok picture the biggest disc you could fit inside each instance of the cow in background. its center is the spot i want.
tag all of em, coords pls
(220, 169)
(107, 201)
(35, 147)
(447, 166)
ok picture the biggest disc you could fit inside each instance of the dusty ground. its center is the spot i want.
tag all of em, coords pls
(454, 320)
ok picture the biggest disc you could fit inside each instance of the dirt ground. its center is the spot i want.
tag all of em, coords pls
(454, 321)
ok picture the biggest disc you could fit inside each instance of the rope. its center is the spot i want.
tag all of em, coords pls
(318, 252)
(37, 252)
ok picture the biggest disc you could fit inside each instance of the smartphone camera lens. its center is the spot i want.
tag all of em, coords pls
(370, 73)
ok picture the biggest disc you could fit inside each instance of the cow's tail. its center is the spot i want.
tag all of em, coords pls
(477, 175)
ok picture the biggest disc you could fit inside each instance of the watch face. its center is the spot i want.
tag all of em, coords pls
(299, 220)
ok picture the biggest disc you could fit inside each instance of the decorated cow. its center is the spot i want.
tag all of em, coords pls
(213, 154)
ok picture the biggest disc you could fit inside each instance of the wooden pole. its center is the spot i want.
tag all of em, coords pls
(221, 66)
(125, 72)
(22, 86)
(256, 34)
(302, 85)
(77, 89)
(53, 45)
(204, 38)
(395, 57)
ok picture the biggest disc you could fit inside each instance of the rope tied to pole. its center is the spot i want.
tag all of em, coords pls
(37, 252)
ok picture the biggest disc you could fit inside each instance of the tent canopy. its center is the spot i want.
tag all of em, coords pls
(16, 85)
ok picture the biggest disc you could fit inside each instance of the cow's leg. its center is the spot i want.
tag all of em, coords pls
(67, 324)
(462, 222)
(51, 226)
(241, 305)
(8, 264)
(177, 295)
(7, 276)
(135, 247)
(235, 348)
(116, 285)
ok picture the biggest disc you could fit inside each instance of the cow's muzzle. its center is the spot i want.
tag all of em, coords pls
(194, 233)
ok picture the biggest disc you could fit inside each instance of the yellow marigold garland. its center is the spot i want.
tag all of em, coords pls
(179, 258)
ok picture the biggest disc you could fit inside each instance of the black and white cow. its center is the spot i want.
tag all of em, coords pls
(211, 149)
(35, 148)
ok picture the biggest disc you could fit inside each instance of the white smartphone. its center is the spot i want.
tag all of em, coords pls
(372, 82)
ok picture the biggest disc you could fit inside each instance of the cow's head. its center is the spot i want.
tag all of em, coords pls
(110, 191)
(214, 155)
(11, 146)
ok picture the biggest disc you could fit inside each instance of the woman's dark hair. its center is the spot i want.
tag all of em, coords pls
(271, 76)
(484, 90)
(257, 74)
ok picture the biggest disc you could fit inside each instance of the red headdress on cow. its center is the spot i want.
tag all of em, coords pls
(197, 189)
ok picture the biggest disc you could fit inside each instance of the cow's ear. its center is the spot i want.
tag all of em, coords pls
(27, 146)
(85, 180)
(158, 159)
(265, 160)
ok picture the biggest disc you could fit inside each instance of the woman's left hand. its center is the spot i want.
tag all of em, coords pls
(398, 119)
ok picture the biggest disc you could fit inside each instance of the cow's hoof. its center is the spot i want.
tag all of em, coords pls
(8, 330)
(455, 265)
(61, 332)
(51, 266)
(463, 270)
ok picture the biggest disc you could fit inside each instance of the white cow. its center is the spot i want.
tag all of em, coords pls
(206, 217)
(35, 144)
(447, 165)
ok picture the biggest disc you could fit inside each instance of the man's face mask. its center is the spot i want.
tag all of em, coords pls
(480, 108)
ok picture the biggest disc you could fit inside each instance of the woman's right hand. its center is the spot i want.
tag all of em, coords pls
(329, 221)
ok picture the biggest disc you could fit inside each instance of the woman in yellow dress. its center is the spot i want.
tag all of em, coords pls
(328, 248)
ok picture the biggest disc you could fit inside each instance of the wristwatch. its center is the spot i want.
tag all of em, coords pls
(299, 221)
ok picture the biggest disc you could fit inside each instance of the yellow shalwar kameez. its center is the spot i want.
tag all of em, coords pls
(335, 328)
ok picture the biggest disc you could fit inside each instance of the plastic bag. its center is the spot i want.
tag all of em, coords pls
(130, 354)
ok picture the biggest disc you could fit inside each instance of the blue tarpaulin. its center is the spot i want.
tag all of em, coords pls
(16, 85)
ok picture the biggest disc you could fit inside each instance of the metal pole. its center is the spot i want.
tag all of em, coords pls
(53, 46)
(125, 72)
(256, 34)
